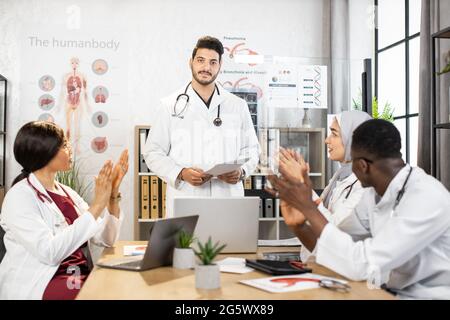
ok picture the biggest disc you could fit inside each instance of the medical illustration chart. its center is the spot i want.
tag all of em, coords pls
(312, 86)
(77, 80)
(282, 91)
(293, 85)
(242, 69)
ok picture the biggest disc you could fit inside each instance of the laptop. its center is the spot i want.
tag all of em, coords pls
(162, 240)
(233, 221)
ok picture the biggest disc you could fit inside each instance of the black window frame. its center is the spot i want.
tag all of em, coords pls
(406, 40)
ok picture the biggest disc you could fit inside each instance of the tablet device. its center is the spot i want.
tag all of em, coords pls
(276, 267)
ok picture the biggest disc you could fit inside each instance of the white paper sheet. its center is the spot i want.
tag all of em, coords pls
(234, 265)
(223, 168)
(134, 250)
(291, 283)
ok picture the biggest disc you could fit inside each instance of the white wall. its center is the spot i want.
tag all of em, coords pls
(361, 41)
(161, 35)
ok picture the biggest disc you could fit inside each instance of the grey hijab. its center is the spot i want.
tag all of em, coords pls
(348, 121)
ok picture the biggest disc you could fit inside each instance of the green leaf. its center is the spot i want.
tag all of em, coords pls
(72, 178)
(207, 252)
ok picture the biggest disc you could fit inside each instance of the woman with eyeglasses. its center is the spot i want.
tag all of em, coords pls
(48, 226)
(344, 191)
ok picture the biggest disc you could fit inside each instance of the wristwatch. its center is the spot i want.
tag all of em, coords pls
(242, 177)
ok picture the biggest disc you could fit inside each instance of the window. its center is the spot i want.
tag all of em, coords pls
(397, 50)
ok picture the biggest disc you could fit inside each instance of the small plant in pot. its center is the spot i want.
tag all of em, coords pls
(207, 274)
(183, 255)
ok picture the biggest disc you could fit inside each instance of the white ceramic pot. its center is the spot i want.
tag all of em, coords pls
(183, 258)
(207, 276)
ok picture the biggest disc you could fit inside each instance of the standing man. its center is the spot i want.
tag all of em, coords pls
(198, 126)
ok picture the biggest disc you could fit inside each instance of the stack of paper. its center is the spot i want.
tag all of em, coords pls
(280, 243)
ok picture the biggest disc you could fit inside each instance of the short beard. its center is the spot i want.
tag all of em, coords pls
(203, 82)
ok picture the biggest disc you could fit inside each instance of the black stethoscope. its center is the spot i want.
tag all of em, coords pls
(349, 187)
(401, 192)
(397, 200)
(217, 121)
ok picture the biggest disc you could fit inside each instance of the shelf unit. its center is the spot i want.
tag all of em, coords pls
(270, 228)
(309, 142)
(3, 101)
(141, 225)
(442, 34)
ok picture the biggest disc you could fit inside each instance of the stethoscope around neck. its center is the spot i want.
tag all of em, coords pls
(43, 197)
(184, 96)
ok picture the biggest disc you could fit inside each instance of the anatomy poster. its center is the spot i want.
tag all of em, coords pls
(243, 67)
(77, 80)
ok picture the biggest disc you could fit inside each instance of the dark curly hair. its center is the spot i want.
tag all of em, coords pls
(380, 138)
(208, 42)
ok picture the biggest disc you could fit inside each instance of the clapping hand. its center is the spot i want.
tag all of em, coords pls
(119, 171)
(291, 164)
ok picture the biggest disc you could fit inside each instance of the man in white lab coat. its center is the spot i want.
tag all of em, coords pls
(403, 218)
(199, 126)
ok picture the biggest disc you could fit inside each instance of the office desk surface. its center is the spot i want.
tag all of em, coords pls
(173, 284)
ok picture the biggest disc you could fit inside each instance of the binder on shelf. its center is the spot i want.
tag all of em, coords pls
(261, 208)
(142, 138)
(276, 207)
(163, 197)
(257, 182)
(154, 197)
(248, 183)
(145, 197)
(268, 208)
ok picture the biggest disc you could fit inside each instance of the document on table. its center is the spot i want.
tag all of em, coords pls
(134, 250)
(223, 168)
(233, 265)
(281, 284)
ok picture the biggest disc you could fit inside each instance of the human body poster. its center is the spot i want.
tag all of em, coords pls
(243, 68)
(77, 80)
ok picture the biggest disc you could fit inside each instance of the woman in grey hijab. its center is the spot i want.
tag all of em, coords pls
(344, 191)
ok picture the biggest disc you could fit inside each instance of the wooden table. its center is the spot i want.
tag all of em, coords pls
(172, 284)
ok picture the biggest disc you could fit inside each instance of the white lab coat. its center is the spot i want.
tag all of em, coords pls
(340, 208)
(38, 238)
(194, 141)
(409, 251)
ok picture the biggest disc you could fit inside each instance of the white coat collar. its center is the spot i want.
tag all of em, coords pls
(51, 204)
(218, 97)
(394, 186)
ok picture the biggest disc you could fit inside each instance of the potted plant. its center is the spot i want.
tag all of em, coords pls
(447, 66)
(73, 179)
(183, 255)
(207, 274)
(387, 113)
